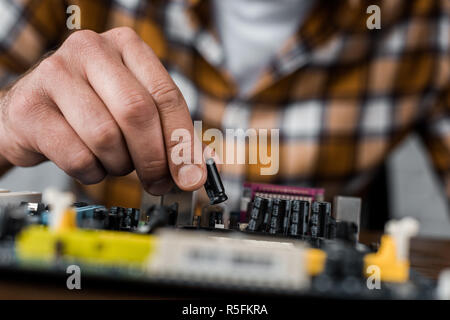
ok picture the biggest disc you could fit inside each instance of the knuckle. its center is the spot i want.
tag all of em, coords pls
(83, 37)
(81, 163)
(52, 66)
(168, 97)
(16, 106)
(106, 135)
(125, 33)
(85, 42)
(135, 108)
(28, 107)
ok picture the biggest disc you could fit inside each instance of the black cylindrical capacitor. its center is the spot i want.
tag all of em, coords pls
(293, 229)
(126, 219)
(267, 216)
(314, 221)
(281, 215)
(214, 186)
(319, 213)
(279, 211)
(135, 216)
(113, 219)
(257, 214)
(131, 218)
(274, 219)
(325, 215)
(100, 214)
(258, 202)
(286, 216)
(330, 227)
(252, 225)
(295, 211)
(304, 217)
(299, 218)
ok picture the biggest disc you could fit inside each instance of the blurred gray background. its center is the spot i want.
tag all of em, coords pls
(415, 189)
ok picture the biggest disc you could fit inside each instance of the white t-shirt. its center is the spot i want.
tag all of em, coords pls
(252, 31)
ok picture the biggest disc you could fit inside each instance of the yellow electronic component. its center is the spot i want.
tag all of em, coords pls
(391, 268)
(87, 246)
(315, 261)
(68, 220)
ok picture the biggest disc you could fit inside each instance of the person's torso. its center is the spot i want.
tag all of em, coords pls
(341, 96)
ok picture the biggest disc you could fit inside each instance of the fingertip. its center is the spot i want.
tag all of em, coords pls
(191, 177)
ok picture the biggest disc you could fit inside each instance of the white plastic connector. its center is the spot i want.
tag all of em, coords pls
(402, 231)
(443, 287)
(229, 261)
(59, 202)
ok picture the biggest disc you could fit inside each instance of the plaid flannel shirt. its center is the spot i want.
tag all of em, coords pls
(343, 96)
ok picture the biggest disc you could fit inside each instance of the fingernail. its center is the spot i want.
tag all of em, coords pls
(160, 187)
(190, 175)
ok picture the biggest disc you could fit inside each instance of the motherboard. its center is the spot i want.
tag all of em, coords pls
(284, 241)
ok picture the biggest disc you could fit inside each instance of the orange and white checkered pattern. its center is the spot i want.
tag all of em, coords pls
(342, 96)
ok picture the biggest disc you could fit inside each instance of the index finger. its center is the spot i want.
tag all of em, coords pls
(186, 164)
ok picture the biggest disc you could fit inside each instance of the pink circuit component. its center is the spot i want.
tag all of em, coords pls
(276, 191)
(314, 193)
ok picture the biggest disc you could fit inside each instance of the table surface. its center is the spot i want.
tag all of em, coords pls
(428, 257)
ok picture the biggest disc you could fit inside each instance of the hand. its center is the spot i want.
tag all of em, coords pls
(101, 104)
